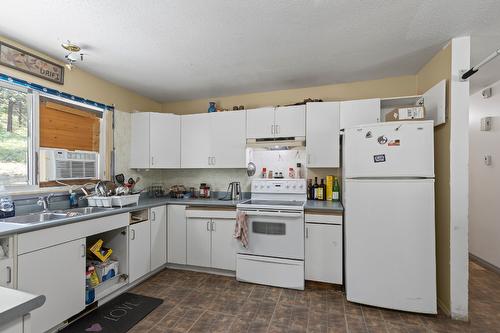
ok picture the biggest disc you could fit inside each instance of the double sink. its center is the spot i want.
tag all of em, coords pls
(54, 215)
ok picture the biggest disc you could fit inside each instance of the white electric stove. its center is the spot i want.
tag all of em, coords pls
(275, 216)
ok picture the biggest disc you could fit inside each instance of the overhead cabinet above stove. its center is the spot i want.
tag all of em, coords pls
(276, 122)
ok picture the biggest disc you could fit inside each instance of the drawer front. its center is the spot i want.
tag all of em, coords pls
(324, 218)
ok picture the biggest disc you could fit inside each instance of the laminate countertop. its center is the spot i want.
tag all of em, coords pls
(16, 303)
(7, 228)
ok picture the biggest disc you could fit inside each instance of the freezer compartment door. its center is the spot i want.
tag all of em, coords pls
(278, 272)
(391, 149)
(390, 258)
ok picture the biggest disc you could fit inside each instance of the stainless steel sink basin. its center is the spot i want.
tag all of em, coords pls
(33, 218)
(54, 215)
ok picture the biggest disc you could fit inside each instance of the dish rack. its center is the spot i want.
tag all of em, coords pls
(113, 201)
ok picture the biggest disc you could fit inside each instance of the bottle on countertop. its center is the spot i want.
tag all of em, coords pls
(336, 189)
(264, 173)
(309, 189)
(320, 191)
(291, 173)
(323, 189)
(270, 174)
(315, 189)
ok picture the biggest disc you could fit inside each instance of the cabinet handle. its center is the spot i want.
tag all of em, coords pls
(152, 160)
(272, 129)
(214, 161)
(84, 252)
(209, 160)
(277, 130)
(213, 226)
(133, 234)
(307, 232)
(153, 216)
(308, 158)
(9, 275)
(208, 225)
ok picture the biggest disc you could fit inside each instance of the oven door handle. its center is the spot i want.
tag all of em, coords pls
(272, 213)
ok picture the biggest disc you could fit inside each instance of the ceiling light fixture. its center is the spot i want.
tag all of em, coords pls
(74, 54)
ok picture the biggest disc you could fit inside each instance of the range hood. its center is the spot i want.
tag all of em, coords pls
(277, 143)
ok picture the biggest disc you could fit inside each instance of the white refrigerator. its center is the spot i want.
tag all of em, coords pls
(388, 197)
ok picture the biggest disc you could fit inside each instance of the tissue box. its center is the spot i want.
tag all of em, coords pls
(106, 270)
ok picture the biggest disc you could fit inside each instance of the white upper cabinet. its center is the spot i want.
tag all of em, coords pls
(195, 141)
(260, 123)
(290, 121)
(322, 135)
(283, 121)
(435, 103)
(213, 140)
(359, 112)
(165, 136)
(228, 139)
(155, 140)
(139, 144)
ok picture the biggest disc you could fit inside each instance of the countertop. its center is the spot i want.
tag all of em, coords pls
(145, 202)
(334, 206)
(16, 304)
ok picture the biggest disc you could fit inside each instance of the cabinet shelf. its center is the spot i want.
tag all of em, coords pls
(109, 286)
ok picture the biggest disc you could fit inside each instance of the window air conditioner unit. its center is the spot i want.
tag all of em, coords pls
(62, 164)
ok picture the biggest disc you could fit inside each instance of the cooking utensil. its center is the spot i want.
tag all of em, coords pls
(251, 169)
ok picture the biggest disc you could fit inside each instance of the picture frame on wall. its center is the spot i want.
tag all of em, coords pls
(15, 58)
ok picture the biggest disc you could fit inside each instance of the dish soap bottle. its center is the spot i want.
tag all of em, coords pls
(336, 189)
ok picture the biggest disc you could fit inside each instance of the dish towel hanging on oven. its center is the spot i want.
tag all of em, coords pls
(241, 229)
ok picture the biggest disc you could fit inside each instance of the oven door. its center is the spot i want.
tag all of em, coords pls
(274, 233)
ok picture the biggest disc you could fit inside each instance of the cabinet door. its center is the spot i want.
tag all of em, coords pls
(58, 272)
(6, 272)
(195, 141)
(198, 242)
(139, 140)
(165, 140)
(260, 123)
(158, 236)
(359, 112)
(139, 250)
(224, 246)
(323, 135)
(323, 253)
(228, 139)
(290, 121)
(176, 244)
(435, 103)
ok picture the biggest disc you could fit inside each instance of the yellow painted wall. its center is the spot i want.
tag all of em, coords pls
(388, 87)
(434, 71)
(83, 84)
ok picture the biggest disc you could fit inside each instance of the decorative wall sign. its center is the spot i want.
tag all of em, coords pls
(23, 61)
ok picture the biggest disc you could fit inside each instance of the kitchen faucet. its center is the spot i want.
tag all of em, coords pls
(44, 202)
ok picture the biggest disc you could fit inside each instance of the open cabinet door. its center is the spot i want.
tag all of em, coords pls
(435, 103)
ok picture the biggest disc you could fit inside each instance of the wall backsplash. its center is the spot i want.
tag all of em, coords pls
(218, 179)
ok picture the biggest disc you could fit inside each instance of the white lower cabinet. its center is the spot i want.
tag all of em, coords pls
(198, 242)
(158, 236)
(139, 250)
(224, 246)
(323, 252)
(58, 272)
(210, 241)
(176, 234)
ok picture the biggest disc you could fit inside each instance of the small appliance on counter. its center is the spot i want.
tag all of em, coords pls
(7, 207)
(233, 192)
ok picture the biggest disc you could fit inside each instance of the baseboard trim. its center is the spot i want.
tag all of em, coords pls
(207, 270)
(484, 263)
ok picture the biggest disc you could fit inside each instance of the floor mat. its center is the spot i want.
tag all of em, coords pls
(117, 316)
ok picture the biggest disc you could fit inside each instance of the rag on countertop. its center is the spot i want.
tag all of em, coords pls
(241, 229)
